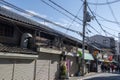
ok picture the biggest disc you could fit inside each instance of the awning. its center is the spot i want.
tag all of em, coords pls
(88, 56)
(114, 61)
(101, 60)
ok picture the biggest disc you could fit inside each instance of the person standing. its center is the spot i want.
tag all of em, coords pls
(108, 67)
(119, 68)
(112, 67)
(102, 67)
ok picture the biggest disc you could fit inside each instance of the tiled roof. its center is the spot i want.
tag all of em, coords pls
(5, 48)
(21, 18)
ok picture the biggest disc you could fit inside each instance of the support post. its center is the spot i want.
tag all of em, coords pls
(34, 77)
(83, 42)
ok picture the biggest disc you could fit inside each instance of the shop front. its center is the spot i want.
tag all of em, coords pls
(88, 59)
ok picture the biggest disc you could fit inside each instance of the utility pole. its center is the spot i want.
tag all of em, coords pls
(83, 43)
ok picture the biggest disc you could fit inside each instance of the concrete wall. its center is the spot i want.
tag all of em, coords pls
(16, 69)
(24, 70)
(6, 69)
(47, 66)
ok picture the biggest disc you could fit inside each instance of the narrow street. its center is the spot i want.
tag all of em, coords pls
(99, 76)
(59, 40)
(104, 76)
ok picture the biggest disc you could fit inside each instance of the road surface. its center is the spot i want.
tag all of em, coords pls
(103, 76)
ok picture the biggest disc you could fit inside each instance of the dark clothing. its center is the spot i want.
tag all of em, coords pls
(112, 67)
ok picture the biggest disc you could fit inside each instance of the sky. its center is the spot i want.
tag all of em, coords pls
(110, 12)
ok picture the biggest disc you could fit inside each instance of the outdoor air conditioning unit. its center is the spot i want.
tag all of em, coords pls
(25, 40)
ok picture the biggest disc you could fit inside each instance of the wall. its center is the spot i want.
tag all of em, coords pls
(11, 69)
(47, 66)
(101, 40)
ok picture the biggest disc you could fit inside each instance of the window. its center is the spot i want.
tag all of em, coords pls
(104, 41)
(6, 31)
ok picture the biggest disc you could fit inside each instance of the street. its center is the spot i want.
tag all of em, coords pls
(104, 76)
(100, 76)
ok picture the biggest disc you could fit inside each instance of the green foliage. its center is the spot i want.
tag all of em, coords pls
(63, 70)
(80, 53)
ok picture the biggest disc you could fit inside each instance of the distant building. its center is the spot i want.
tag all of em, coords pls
(117, 49)
(102, 42)
(102, 48)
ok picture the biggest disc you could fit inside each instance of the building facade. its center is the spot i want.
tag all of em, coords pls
(102, 48)
(32, 51)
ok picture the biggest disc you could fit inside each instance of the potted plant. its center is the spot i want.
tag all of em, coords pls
(63, 72)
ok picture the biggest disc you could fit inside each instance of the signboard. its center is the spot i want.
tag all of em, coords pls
(95, 53)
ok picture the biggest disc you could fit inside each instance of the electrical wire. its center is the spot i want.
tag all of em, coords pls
(56, 9)
(96, 7)
(106, 3)
(110, 28)
(94, 29)
(36, 16)
(60, 12)
(113, 13)
(107, 19)
(72, 14)
(80, 19)
(101, 25)
(74, 18)
(24, 11)
(70, 17)
(97, 21)
(65, 10)
(64, 15)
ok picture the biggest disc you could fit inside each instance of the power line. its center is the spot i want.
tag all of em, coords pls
(72, 14)
(65, 10)
(96, 6)
(61, 12)
(101, 25)
(111, 34)
(64, 14)
(36, 16)
(77, 17)
(74, 18)
(56, 9)
(113, 14)
(107, 19)
(94, 28)
(106, 3)
(70, 17)
(97, 20)
(110, 28)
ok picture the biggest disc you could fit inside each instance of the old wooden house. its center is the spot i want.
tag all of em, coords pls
(32, 51)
